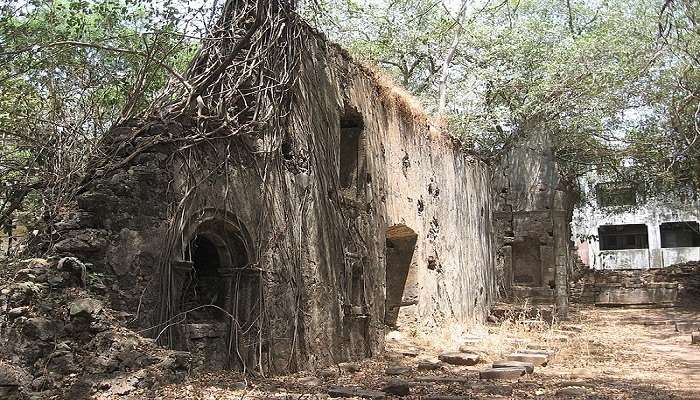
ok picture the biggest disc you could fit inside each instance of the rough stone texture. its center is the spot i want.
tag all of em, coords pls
(695, 338)
(459, 358)
(62, 341)
(362, 184)
(529, 367)
(502, 373)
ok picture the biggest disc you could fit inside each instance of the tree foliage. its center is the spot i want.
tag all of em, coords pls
(69, 70)
(614, 82)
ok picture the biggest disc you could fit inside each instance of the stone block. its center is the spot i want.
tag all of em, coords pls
(427, 365)
(529, 367)
(458, 358)
(695, 338)
(502, 373)
(535, 359)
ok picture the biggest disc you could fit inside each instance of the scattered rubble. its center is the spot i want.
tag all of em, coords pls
(60, 337)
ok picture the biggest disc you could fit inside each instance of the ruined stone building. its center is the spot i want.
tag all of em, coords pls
(532, 210)
(332, 212)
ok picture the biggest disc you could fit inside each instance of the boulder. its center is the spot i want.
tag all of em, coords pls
(458, 358)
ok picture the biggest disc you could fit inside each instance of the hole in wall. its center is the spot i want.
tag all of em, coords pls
(351, 149)
(401, 278)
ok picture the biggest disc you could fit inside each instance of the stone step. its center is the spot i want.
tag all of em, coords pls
(536, 359)
(502, 373)
(458, 358)
(529, 367)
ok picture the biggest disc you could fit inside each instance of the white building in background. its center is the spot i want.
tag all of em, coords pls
(618, 229)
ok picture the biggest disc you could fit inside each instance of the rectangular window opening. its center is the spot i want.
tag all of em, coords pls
(623, 237)
(351, 149)
(680, 234)
(611, 194)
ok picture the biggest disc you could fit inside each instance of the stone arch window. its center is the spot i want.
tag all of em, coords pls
(352, 151)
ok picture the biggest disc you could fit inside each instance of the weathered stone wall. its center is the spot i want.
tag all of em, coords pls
(298, 228)
(668, 286)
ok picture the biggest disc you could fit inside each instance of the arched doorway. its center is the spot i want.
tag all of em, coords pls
(219, 293)
(401, 279)
(204, 291)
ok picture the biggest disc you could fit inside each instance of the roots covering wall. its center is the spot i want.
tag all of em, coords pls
(290, 233)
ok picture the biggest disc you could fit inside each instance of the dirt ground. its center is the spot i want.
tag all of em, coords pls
(600, 354)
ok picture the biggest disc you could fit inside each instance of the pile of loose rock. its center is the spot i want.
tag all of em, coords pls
(59, 336)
